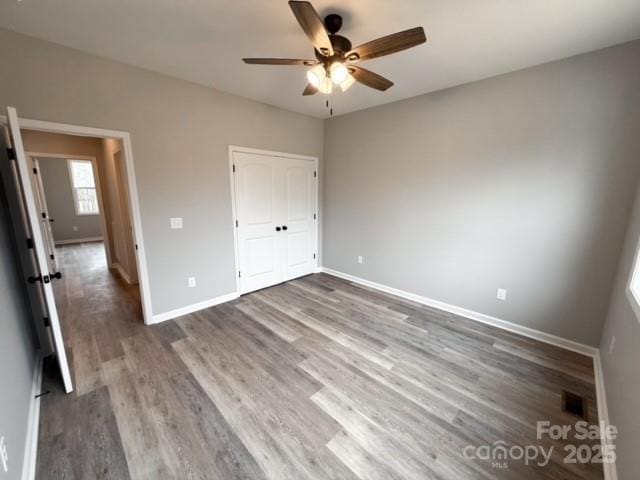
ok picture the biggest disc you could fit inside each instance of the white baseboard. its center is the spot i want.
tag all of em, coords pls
(610, 472)
(31, 442)
(71, 241)
(178, 312)
(470, 314)
(121, 271)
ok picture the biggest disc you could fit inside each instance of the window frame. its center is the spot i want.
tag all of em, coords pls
(74, 189)
(633, 286)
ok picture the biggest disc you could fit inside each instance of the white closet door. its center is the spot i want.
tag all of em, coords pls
(275, 200)
(300, 235)
(258, 190)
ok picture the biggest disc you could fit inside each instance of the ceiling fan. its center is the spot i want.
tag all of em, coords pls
(335, 58)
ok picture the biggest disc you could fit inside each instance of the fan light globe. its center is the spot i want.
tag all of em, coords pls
(344, 86)
(316, 75)
(339, 72)
(325, 86)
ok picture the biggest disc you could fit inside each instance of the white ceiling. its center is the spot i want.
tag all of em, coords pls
(204, 40)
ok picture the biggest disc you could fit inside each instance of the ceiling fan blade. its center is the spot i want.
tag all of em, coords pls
(312, 25)
(309, 90)
(279, 61)
(370, 79)
(390, 44)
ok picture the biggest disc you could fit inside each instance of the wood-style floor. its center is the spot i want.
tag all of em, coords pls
(314, 379)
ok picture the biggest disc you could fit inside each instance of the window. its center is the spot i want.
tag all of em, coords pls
(634, 284)
(83, 185)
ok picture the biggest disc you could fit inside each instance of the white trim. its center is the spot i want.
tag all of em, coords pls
(121, 271)
(141, 257)
(178, 312)
(472, 315)
(74, 189)
(71, 241)
(634, 280)
(31, 442)
(271, 153)
(610, 472)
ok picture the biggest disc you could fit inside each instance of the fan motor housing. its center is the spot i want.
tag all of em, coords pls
(340, 44)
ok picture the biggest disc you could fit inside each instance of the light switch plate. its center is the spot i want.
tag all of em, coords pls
(360, 259)
(191, 281)
(175, 222)
(502, 294)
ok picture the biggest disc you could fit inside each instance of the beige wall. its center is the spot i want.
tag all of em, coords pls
(180, 135)
(117, 196)
(523, 181)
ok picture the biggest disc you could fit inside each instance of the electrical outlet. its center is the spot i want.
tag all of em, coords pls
(192, 282)
(175, 222)
(360, 260)
(612, 344)
(502, 294)
(4, 455)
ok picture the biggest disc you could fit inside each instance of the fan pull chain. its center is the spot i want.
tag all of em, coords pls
(329, 104)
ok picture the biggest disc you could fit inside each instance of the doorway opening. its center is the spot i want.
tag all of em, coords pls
(80, 189)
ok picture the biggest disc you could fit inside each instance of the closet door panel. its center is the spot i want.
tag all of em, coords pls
(258, 187)
(299, 211)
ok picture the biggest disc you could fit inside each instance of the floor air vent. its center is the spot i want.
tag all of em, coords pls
(574, 404)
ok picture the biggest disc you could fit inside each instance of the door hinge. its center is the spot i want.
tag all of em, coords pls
(234, 169)
(314, 216)
(47, 321)
(136, 245)
(12, 153)
(53, 257)
(29, 242)
(44, 215)
(239, 274)
(315, 174)
(35, 170)
(236, 223)
(314, 256)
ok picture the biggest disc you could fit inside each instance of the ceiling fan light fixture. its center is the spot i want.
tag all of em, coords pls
(344, 86)
(339, 72)
(326, 86)
(317, 75)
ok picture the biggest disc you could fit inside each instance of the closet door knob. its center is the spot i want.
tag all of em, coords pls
(284, 227)
(278, 229)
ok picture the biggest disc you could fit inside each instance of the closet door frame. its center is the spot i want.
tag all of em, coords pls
(314, 160)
